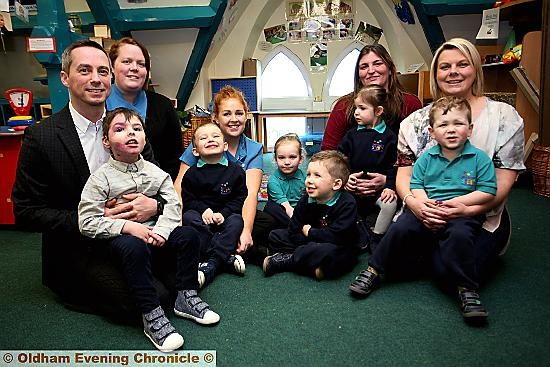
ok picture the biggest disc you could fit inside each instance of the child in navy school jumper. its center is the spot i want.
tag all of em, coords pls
(214, 191)
(453, 170)
(372, 147)
(322, 237)
(286, 185)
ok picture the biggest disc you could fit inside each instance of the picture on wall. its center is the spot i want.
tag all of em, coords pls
(318, 57)
(276, 34)
(316, 20)
(346, 28)
(367, 33)
(296, 9)
(295, 36)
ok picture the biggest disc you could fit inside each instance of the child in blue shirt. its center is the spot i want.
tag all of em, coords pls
(286, 184)
(453, 170)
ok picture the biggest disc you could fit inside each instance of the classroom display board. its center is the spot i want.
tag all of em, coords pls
(248, 85)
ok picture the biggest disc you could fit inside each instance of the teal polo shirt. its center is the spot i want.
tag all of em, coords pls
(281, 187)
(472, 170)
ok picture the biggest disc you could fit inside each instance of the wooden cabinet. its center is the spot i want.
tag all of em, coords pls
(417, 84)
(10, 145)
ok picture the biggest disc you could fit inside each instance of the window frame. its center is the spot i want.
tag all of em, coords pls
(287, 103)
(330, 100)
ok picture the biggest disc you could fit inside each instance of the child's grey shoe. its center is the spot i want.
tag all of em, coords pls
(159, 330)
(191, 306)
(235, 265)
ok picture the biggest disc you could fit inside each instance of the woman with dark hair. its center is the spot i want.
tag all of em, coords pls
(374, 66)
(131, 67)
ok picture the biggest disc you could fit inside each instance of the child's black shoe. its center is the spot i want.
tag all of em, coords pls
(278, 263)
(207, 273)
(364, 283)
(235, 265)
(472, 309)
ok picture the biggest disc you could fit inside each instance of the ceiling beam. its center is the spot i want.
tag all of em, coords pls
(198, 55)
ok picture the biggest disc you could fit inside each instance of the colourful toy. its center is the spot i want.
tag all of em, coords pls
(512, 55)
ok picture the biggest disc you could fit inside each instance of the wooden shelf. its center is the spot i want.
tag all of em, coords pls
(524, 15)
(417, 84)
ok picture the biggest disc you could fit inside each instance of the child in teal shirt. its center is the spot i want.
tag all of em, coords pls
(286, 184)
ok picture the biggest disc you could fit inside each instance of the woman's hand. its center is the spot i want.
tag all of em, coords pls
(370, 183)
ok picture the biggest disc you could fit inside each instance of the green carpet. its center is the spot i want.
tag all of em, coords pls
(289, 320)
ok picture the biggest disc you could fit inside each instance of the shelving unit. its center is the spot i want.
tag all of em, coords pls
(418, 84)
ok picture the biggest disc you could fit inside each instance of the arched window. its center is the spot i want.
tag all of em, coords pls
(285, 86)
(340, 76)
(284, 82)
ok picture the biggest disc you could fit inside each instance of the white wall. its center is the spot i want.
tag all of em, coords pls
(170, 50)
(406, 43)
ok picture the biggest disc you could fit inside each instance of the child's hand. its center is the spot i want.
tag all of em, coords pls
(388, 196)
(289, 211)
(156, 240)
(305, 229)
(138, 230)
(208, 216)
(218, 218)
(351, 185)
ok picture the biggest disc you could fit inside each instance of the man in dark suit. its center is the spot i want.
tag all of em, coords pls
(56, 159)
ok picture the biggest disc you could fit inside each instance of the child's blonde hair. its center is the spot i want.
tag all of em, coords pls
(336, 163)
(286, 138)
(445, 104)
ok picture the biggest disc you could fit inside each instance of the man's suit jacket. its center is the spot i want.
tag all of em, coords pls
(51, 174)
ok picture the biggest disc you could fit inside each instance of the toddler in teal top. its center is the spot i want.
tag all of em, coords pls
(286, 184)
